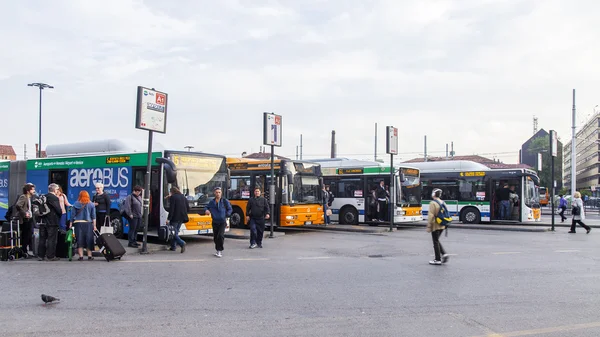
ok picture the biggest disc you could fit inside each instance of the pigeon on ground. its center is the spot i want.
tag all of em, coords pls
(49, 299)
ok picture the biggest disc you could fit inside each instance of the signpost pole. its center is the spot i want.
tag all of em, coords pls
(553, 152)
(147, 195)
(392, 149)
(151, 115)
(272, 136)
(392, 194)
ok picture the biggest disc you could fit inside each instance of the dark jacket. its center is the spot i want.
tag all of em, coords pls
(179, 208)
(53, 218)
(220, 211)
(133, 206)
(23, 207)
(257, 208)
(381, 192)
(503, 194)
(103, 201)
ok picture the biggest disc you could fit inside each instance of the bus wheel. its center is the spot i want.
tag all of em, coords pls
(470, 215)
(237, 218)
(349, 216)
(117, 224)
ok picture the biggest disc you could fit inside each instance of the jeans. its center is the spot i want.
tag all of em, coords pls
(26, 233)
(176, 239)
(63, 222)
(437, 246)
(562, 213)
(325, 208)
(84, 233)
(257, 231)
(47, 244)
(382, 209)
(134, 224)
(504, 209)
(219, 235)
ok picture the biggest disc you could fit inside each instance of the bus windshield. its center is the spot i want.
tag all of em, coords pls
(531, 196)
(197, 176)
(410, 193)
(306, 188)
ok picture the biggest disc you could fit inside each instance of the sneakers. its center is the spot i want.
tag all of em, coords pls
(435, 262)
(445, 258)
(587, 231)
(182, 249)
(572, 232)
(218, 254)
(260, 246)
(252, 246)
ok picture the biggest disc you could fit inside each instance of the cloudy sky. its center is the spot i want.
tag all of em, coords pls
(472, 72)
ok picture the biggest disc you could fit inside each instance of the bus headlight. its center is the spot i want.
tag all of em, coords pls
(291, 217)
(400, 212)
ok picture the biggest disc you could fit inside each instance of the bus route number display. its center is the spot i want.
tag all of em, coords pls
(118, 160)
(350, 171)
(472, 174)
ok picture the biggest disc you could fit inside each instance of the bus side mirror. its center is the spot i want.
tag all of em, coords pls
(228, 179)
(170, 169)
(402, 177)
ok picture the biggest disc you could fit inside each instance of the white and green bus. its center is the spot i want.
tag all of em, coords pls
(469, 190)
(353, 182)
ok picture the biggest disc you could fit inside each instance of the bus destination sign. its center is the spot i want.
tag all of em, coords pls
(118, 160)
(473, 174)
(358, 170)
(410, 172)
(238, 166)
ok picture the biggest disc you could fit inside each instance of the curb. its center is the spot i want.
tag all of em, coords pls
(244, 234)
(348, 228)
(537, 228)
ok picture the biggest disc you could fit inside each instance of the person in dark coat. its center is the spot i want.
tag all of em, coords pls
(219, 209)
(133, 211)
(25, 215)
(49, 226)
(257, 211)
(102, 203)
(179, 208)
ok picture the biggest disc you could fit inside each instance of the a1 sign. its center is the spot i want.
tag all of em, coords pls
(272, 129)
(392, 140)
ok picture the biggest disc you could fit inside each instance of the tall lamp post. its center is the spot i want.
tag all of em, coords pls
(41, 86)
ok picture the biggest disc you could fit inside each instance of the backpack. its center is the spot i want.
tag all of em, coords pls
(122, 206)
(39, 206)
(9, 212)
(443, 217)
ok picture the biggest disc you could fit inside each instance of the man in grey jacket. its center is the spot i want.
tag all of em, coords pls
(133, 210)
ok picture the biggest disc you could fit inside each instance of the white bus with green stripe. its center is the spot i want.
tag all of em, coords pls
(469, 190)
(353, 181)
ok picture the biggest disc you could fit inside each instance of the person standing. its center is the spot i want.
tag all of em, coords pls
(435, 228)
(382, 198)
(219, 209)
(325, 204)
(257, 211)
(133, 210)
(578, 213)
(179, 208)
(503, 196)
(23, 207)
(49, 226)
(83, 215)
(64, 203)
(102, 203)
(562, 205)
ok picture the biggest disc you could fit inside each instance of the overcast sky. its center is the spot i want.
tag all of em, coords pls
(474, 72)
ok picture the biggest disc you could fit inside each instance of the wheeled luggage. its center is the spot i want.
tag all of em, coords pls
(110, 247)
(14, 250)
(62, 248)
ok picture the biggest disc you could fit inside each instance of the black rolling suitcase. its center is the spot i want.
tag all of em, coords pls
(62, 248)
(110, 247)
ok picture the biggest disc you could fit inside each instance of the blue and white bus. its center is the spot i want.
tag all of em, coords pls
(120, 166)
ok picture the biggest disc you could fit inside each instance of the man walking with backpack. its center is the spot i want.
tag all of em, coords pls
(132, 208)
(219, 209)
(25, 214)
(436, 228)
(257, 211)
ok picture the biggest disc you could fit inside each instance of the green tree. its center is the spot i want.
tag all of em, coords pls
(542, 145)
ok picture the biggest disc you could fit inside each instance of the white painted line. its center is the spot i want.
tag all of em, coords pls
(161, 261)
(506, 253)
(252, 259)
(567, 251)
(315, 258)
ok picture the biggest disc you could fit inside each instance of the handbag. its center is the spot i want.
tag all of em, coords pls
(576, 210)
(328, 212)
(106, 227)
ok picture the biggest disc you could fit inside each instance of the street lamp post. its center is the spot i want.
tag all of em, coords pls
(41, 86)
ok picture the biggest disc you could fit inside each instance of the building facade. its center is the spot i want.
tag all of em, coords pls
(587, 159)
(531, 159)
(7, 153)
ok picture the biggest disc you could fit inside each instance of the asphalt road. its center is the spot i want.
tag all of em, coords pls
(319, 284)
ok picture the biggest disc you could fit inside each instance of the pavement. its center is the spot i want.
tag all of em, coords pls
(320, 283)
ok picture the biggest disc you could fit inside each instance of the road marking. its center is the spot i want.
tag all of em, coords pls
(161, 261)
(546, 330)
(506, 253)
(567, 251)
(315, 258)
(252, 259)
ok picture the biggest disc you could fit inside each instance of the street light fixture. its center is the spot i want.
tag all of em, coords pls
(41, 86)
(189, 148)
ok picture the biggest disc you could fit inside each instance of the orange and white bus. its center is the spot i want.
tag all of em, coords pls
(298, 199)
(544, 196)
